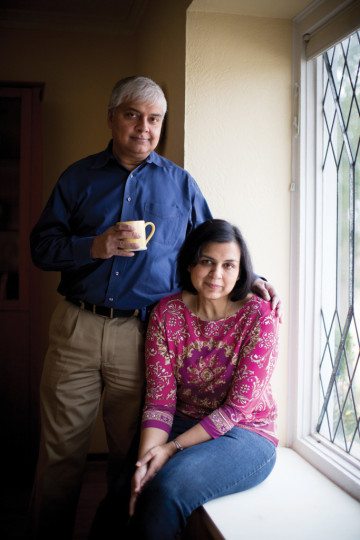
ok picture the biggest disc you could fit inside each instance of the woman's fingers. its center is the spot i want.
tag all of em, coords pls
(151, 472)
(137, 479)
(146, 458)
(136, 485)
(132, 503)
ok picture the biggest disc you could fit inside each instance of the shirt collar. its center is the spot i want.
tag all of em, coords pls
(104, 157)
(155, 159)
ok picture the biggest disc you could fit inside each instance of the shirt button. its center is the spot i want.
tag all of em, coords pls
(129, 199)
(131, 175)
(116, 273)
(111, 299)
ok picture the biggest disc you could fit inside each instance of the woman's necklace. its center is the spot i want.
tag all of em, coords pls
(212, 320)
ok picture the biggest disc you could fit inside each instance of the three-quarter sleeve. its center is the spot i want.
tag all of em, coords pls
(160, 401)
(249, 396)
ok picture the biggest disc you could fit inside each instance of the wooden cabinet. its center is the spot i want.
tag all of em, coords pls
(20, 205)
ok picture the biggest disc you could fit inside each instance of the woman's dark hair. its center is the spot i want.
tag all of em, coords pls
(215, 230)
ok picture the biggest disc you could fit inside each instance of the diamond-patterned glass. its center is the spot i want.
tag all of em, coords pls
(339, 363)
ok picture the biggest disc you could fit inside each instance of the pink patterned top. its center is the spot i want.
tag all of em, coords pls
(216, 371)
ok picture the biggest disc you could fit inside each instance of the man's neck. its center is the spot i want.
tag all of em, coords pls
(128, 162)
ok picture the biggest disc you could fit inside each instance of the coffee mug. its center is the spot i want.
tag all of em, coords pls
(140, 228)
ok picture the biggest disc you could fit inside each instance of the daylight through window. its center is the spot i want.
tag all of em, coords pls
(339, 208)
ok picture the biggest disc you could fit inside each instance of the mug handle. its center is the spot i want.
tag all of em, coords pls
(151, 234)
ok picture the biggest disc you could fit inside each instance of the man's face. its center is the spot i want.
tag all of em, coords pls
(136, 128)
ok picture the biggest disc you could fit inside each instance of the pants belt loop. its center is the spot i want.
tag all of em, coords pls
(82, 305)
(94, 309)
(111, 313)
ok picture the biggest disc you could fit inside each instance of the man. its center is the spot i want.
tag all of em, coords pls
(96, 332)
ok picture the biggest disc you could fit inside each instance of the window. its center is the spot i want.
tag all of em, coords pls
(324, 417)
(339, 258)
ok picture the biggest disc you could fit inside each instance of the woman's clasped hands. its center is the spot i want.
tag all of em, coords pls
(147, 467)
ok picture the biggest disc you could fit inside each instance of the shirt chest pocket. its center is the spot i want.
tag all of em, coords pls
(168, 222)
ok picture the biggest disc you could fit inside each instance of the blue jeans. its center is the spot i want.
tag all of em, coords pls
(234, 462)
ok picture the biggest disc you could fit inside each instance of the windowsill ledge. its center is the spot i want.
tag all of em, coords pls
(339, 467)
(296, 502)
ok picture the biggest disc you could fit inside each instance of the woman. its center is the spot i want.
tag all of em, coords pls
(208, 425)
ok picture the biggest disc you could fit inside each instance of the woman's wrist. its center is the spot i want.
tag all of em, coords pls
(178, 447)
(171, 448)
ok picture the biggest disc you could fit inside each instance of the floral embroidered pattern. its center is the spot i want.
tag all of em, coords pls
(220, 420)
(159, 416)
(216, 371)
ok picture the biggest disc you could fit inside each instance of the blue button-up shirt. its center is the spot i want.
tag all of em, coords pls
(93, 194)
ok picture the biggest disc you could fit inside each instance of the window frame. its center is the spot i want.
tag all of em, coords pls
(305, 274)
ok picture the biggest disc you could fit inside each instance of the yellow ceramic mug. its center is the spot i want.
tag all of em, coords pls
(140, 228)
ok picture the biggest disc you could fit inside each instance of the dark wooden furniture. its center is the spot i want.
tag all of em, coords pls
(20, 205)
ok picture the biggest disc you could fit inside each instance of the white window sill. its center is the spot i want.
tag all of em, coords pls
(296, 501)
(335, 464)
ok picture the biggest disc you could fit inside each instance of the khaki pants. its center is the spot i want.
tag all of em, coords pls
(88, 355)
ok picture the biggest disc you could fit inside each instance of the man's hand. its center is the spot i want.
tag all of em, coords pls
(114, 241)
(265, 290)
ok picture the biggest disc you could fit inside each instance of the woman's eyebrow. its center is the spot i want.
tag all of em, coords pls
(211, 258)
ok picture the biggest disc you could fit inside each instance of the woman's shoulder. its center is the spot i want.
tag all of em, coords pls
(258, 306)
(169, 302)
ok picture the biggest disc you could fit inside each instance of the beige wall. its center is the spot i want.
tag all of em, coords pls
(238, 135)
(160, 54)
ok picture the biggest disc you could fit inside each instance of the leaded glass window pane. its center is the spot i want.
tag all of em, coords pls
(339, 368)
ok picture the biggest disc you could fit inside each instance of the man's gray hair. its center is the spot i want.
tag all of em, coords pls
(137, 89)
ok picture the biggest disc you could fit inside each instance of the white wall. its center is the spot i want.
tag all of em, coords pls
(238, 140)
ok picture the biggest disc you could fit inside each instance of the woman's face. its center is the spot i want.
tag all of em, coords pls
(218, 268)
